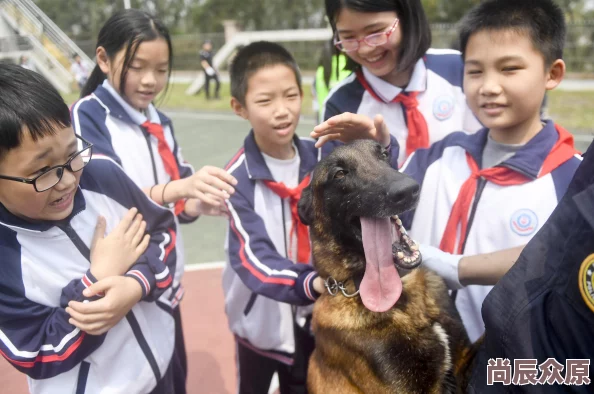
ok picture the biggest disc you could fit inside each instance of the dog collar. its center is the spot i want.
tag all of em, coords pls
(333, 286)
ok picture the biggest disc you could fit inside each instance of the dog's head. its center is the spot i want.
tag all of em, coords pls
(351, 206)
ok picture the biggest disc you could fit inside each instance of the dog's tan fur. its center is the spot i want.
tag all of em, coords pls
(412, 348)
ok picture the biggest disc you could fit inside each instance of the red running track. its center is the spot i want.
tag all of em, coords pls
(209, 343)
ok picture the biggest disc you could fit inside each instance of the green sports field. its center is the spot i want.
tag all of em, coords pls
(213, 138)
(210, 138)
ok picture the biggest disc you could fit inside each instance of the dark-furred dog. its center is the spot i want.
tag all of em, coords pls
(401, 332)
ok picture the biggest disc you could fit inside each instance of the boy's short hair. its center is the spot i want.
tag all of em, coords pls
(254, 57)
(543, 20)
(28, 100)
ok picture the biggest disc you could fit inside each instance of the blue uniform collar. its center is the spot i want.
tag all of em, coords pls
(116, 109)
(257, 168)
(528, 160)
(11, 220)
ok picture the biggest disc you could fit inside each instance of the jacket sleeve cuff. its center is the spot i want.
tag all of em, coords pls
(143, 275)
(74, 290)
(305, 287)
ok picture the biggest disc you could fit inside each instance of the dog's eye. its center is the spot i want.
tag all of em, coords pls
(339, 174)
(385, 155)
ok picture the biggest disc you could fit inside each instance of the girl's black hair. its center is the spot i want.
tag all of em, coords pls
(28, 103)
(416, 33)
(127, 29)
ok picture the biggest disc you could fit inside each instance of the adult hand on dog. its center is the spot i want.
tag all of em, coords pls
(210, 185)
(96, 317)
(115, 253)
(347, 127)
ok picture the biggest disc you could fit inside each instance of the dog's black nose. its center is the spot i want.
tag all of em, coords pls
(405, 189)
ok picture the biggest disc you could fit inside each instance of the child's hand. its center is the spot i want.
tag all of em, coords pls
(347, 127)
(195, 207)
(210, 185)
(318, 285)
(118, 251)
(96, 317)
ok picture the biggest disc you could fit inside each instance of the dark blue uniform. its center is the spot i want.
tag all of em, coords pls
(544, 306)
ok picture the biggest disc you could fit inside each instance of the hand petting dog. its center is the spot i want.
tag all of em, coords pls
(348, 127)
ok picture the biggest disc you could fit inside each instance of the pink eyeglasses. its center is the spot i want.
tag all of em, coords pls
(372, 40)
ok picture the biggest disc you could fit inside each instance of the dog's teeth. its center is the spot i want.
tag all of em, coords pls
(398, 221)
(400, 255)
(414, 247)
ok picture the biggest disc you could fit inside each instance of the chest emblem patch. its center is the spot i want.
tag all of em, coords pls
(585, 279)
(443, 107)
(524, 222)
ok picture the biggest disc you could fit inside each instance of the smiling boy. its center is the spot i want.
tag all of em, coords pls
(269, 276)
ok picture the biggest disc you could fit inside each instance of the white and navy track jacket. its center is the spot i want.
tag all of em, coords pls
(437, 76)
(260, 283)
(46, 264)
(500, 216)
(111, 124)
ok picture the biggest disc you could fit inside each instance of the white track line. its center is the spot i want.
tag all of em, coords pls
(214, 265)
(219, 116)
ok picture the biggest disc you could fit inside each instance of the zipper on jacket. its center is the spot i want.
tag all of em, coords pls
(83, 375)
(250, 304)
(284, 227)
(147, 137)
(80, 245)
(477, 196)
(144, 346)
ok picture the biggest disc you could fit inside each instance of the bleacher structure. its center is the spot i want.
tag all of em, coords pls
(26, 30)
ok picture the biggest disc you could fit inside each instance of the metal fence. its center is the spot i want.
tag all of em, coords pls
(579, 53)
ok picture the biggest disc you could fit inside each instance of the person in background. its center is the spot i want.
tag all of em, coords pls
(210, 73)
(80, 71)
(330, 71)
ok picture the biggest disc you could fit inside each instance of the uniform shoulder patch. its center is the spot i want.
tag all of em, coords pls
(585, 279)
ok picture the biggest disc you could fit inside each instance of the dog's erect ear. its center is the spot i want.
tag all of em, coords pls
(305, 206)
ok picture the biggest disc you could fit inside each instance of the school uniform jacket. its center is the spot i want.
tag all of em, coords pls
(500, 217)
(107, 121)
(260, 283)
(46, 264)
(438, 79)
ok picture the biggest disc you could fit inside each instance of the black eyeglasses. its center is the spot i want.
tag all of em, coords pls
(52, 176)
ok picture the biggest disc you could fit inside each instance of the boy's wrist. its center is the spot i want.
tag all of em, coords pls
(135, 288)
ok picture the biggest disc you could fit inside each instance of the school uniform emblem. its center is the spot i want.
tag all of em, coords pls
(443, 107)
(524, 222)
(585, 279)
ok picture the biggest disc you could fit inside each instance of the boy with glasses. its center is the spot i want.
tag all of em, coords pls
(64, 282)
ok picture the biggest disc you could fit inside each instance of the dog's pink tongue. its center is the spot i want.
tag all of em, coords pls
(381, 285)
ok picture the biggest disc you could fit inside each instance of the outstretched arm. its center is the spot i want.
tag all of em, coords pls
(459, 271)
